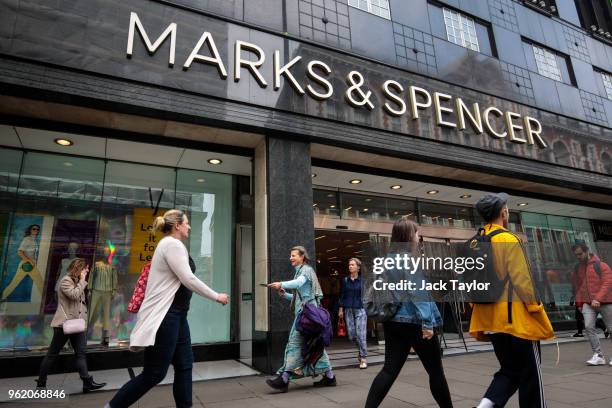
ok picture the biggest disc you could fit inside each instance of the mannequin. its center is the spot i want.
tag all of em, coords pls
(73, 248)
(103, 285)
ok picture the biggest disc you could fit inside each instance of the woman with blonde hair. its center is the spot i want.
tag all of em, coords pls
(352, 311)
(71, 305)
(162, 329)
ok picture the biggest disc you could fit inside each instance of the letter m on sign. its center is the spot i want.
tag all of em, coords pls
(135, 24)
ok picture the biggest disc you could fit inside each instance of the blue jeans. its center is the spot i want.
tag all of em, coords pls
(172, 345)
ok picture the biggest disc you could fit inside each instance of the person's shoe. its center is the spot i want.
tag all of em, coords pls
(596, 360)
(606, 333)
(41, 384)
(325, 382)
(579, 334)
(611, 362)
(363, 363)
(278, 384)
(90, 385)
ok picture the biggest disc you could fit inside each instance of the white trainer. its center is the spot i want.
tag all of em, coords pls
(596, 360)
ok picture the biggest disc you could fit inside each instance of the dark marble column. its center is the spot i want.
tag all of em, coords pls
(290, 223)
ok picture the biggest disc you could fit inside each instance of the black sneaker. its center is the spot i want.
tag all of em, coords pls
(579, 334)
(278, 384)
(325, 382)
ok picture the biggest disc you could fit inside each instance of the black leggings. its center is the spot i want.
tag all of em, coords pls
(399, 338)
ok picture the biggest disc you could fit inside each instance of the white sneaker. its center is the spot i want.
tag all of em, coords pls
(596, 360)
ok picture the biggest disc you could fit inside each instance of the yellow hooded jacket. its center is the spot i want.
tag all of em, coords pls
(528, 318)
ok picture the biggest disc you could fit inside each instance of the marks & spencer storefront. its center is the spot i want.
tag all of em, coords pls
(152, 94)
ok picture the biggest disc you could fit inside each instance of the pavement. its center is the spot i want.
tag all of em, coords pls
(569, 383)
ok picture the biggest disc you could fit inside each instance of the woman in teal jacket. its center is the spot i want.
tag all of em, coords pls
(306, 289)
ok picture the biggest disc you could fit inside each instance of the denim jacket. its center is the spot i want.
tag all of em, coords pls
(420, 311)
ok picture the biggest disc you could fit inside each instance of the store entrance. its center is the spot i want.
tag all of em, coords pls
(334, 248)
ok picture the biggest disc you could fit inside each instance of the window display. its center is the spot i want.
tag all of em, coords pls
(54, 208)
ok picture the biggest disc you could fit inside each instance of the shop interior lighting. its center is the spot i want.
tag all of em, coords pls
(63, 142)
(355, 181)
(432, 192)
(215, 161)
(396, 187)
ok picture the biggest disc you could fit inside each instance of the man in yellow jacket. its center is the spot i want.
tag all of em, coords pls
(517, 322)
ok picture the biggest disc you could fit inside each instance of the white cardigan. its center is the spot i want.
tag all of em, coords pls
(169, 268)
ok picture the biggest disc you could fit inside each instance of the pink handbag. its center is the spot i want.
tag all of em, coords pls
(73, 326)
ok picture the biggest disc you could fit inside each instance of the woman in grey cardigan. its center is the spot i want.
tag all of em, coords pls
(71, 304)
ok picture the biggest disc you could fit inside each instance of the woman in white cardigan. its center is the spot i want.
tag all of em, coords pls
(162, 329)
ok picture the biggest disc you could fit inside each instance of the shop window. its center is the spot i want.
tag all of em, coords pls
(325, 202)
(445, 215)
(52, 219)
(207, 198)
(375, 208)
(596, 17)
(549, 63)
(376, 7)
(54, 208)
(460, 29)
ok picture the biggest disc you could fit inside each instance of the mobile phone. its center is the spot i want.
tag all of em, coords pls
(265, 285)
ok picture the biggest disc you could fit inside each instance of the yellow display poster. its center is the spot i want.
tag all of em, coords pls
(144, 240)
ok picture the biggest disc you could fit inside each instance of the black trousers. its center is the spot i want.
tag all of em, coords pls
(399, 338)
(520, 370)
(79, 345)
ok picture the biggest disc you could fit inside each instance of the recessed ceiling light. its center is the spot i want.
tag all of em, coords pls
(67, 164)
(200, 180)
(523, 204)
(63, 142)
(315, 204)
(355, 181)
(465, 196)
(215, 161)
(367, 200)
(432, 192)
(330, 195)
(313, 175)
(396, 187)
(332, 206)
(365, 209)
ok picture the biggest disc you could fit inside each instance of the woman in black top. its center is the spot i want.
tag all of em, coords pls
(351, 308)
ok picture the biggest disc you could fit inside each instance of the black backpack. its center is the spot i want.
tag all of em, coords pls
(479, 246)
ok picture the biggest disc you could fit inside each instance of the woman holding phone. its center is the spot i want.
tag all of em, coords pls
(306, 287)
(71, 305)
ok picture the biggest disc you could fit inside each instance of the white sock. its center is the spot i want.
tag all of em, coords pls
(486, 403)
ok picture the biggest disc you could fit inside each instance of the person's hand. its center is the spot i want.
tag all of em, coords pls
(223, 298)
(84, 273)
(275, 285)
(427, 333)
(281, 292)
(595, 304)
(341, 313)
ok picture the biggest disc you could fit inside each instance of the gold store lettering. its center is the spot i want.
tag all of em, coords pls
(448, 111)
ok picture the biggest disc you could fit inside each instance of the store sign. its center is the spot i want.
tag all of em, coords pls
(144, 240)
(449, 111)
